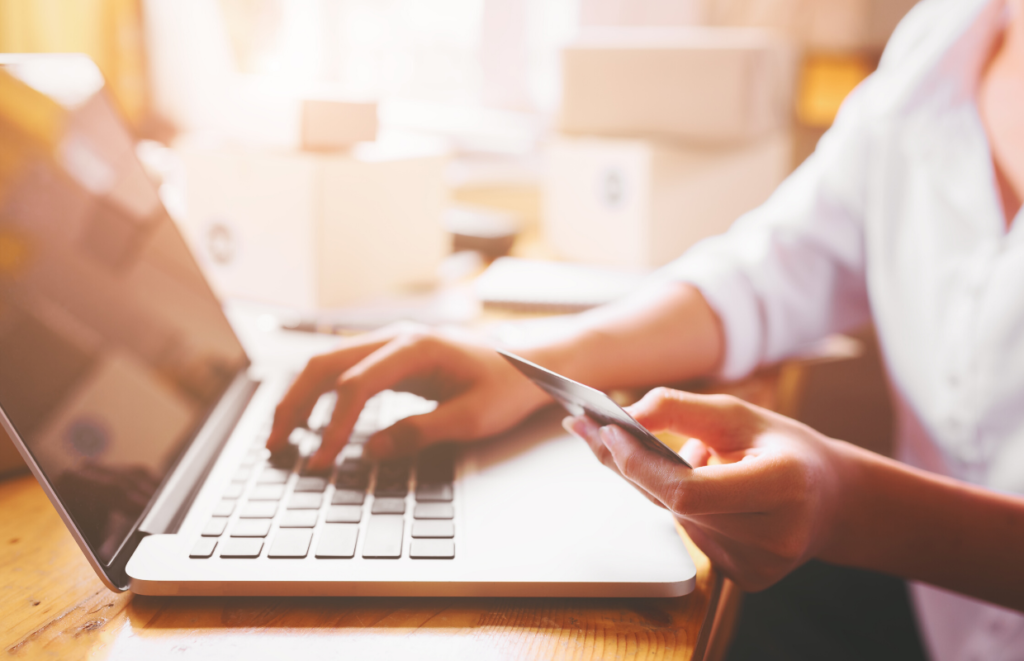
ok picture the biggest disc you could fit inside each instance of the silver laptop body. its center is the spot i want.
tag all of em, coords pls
(132, 400)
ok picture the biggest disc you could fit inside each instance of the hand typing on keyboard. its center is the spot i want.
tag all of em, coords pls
(478, 393)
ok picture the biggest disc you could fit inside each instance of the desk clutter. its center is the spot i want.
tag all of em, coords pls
(531, 285)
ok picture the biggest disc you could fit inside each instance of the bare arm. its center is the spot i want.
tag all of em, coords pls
(922, 526)
(665, 334)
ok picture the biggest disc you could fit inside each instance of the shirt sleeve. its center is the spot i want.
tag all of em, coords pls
(793, 270)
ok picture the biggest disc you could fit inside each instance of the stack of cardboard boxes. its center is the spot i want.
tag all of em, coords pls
(666, 136)
(338, 218)
(669, 133)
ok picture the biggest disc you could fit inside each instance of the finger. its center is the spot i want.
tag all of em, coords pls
(319, 376)
(745, 486)
(454, 420)
(723, 422)
(695, 453)
(390, 364)
(587, 429)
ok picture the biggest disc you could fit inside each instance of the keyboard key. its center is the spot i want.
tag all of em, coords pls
(311, 483)
(241, 548)
(234, 490)
(348, 497)
(433, 511)
(391, 489)
(267, 492)
(433, 529)
(436, 465)
(285, 457)
(392, 482)
(353, 465)
(224, 508)
(388, 506)
(434, 493)
(251, 528)
(322, 471)
(259, 510)
(253, 457)
(273, 476)
(395, 470)
(384, 537)
(203, 548)
(242, 475)
(337, 541)
(305, 501)
(215, 527)
(299, 519)
(344, 514)
(431, 548)
(290, 544)
(353, 481)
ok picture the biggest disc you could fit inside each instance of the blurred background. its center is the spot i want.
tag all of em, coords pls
(347, 163)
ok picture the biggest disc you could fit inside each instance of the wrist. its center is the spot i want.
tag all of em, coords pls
(578, 355)
(858, 496)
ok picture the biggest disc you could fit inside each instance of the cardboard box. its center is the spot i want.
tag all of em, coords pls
(637, 203)
(314, 230)
(641, 12)
(329, 124)
(834, 26)
(696, 85)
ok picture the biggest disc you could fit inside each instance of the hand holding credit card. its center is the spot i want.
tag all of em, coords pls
(579, 399)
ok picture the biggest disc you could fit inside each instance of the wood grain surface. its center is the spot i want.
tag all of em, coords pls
(54, 606)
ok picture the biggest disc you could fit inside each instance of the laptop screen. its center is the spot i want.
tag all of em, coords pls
(112, 347)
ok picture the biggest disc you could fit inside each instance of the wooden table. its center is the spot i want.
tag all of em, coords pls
(54, 606)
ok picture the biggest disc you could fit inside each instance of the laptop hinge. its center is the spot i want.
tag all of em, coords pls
(177, 494)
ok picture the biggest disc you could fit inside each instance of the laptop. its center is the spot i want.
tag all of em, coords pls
(132, 400)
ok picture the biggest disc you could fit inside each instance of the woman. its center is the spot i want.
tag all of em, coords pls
(908, 214)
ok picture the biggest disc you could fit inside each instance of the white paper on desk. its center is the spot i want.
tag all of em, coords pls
(528, 284)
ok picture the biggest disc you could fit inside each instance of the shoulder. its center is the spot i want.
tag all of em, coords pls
(926, 28)
(915, 58)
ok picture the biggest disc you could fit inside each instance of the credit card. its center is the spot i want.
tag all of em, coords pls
(579, 399)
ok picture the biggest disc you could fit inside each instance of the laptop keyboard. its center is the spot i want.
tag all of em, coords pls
(275, 508)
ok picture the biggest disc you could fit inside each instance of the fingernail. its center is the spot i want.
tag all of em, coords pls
(567, 424)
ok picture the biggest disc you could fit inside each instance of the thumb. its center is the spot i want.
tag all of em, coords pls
(720, 489)
(453, 420)
(724, 423)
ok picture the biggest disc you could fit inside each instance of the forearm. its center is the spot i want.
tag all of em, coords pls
(910, 523)
(664, 334)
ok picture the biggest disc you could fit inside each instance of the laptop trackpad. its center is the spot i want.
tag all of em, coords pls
(538, 504)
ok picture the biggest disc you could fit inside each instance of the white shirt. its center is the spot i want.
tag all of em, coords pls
(896, 218)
